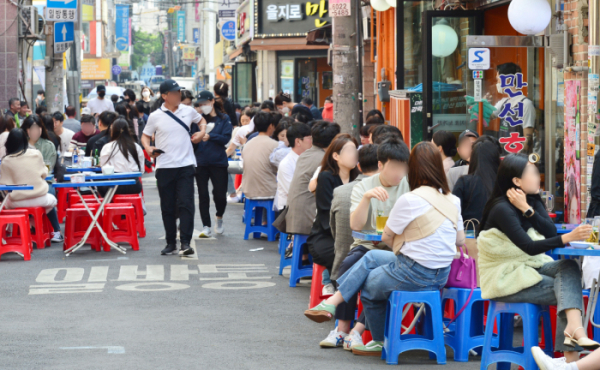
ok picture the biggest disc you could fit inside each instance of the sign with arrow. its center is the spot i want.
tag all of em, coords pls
(63, 36)
(61, 10)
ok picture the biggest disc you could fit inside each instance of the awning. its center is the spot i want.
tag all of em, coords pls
(284, 43)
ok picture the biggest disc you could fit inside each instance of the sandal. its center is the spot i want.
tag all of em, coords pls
(585, 342)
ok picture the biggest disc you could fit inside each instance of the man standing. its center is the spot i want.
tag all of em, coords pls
(71, 122)
(40, 100)
(99, 104)
(14, 106)
(175, 163)
(316, 113)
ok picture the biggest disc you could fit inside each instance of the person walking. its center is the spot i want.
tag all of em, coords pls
(175, 163)
(100, 104)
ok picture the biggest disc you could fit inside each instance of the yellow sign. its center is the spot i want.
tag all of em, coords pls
(87, 12)
(95, 69)
(224, 73)
(218, 53)
(189, 53)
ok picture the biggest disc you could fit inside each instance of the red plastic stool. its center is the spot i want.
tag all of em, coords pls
(237, 182)
(41, 236)
(77, 222)
(74, 199)
(127, 232)
(24, 245)
(136, 202)
(16, 236)
(316, 286)
(62, 195)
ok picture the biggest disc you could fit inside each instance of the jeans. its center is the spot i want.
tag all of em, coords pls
(347, 311)
(561, 287)
(176, 191)
(378, 274)
(218, 176)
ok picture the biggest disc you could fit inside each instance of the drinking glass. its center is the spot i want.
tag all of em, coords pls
(383, 213)
(548, 199)
(593, 238)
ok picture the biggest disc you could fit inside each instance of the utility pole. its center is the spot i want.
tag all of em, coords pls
(170, 48)
(594, 60)
(346, 73)
(74, 72)
(54, 73)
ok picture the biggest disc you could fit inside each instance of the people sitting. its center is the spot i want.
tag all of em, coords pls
(39, 139)
(88, 130)
(516, 232)
(298, 135)
(283, 146)
(466, 139)
(6, 125)
(424, 257)
(64, 133)
(446, 144)
(95, 143)
(24, 165)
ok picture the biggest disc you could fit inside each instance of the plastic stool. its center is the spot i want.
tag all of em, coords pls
(595, 332)
(505, 354)
(136, 202)
(468, 331)
(299, 271)
(16, 235)
(432, 339)
(77, 222)
(41, 223)
(74, 199)
(61, 207)
(258, 205)
(22, 245)
(284, 240)
(127, 233)
(316, 286)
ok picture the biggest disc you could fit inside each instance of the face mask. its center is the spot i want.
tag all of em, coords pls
(145, 94)
(499, 88)
(101, 93)
(206, 109)
(285, 110)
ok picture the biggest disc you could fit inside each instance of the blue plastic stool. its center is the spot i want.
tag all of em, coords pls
(258, 205)
(295, 262)
(283, 242)
(467, 331)
(505, 353)
(596, 318)
(432, 339)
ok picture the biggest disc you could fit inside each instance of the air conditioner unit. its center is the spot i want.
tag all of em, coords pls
(29, 25)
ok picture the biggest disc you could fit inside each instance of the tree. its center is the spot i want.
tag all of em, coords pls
(146, 45)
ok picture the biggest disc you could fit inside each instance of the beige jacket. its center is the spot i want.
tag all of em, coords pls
(25, 169)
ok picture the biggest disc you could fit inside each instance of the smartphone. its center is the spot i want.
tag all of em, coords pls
(158, 151)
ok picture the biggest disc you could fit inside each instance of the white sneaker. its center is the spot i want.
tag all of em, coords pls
(235, 199)
(546, 362)
(219, 226)
(328, 289)
(334, 339)
(57, 237)
(353, 340)
(205, 233)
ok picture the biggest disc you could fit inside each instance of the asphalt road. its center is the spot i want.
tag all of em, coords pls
(225, 309)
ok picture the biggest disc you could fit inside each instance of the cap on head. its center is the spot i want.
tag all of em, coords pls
(100, 88)
(204, 96)
(168, 86)
(86, 110)
(467, 133)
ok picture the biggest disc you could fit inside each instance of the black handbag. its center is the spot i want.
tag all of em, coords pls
(280, 223)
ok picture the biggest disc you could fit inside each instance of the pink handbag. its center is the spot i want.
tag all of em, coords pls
(463, 274)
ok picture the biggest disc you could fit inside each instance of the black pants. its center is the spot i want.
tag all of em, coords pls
(218, 177)
(346, 311)
(176, 191)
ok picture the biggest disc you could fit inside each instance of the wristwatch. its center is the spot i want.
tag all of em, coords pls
(528, 213)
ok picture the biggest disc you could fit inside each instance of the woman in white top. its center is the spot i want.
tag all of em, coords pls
(5, 126)
(124, 154)
(419, 264)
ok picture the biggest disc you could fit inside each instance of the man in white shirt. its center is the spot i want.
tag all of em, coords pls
(64, 133)
(175, 163)
(99, 104)
(299, 137)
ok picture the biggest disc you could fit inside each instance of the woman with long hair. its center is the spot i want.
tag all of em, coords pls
(6, 124)
(446, 144)
(284, 103)
(516, 232)
(419, 264)
(39, 139)
(221, 90)
(48, 128)
(186, 97)
(23, 165)
(475, 188)
(280, 134)
(124, 154)
(147, 96)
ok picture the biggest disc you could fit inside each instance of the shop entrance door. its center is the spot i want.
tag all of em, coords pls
(306, 79)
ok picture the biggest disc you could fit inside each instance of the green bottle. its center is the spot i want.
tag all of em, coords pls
(96, 158)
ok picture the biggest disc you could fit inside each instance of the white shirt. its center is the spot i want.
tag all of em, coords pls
(435, 251)
(285, 173)
(113, 156)
(171, 137)
(528, 109)
(100, 105)
(3, 137)
(243, 132)
(65, 140)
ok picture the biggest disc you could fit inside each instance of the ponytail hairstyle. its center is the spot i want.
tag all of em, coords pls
(124, 141)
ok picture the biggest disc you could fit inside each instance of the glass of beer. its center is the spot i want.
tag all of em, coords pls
(382, 216)
(48, 166)
(593, 238)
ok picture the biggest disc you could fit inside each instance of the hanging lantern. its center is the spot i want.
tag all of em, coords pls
(529, 17)
(380, 5)
(444, 40)
(391, 3)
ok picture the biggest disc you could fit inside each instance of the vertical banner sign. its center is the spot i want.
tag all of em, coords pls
(197, 10)
(196, 32)
(572, 173)
(122, 27)
(511, 113)
(339, 8)
(181, 26)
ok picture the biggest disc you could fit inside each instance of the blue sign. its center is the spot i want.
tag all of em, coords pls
(181, 26)
(194, 70)
(62, 4)
(116, 69)
(63, 36)
(228, 30)
(196, 35)
(122, 28)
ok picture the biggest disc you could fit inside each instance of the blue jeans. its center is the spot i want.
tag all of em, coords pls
(378, 274)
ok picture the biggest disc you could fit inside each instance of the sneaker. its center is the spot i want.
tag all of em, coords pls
(334, 339)
(321, 312)
(57, 237)
(289, 251)
(328, 289)
(546, 362)
(169, 249)
(234, 199)
(186, 250)
(373, 348)
(219, 228)
(205, 233)
(353, 340)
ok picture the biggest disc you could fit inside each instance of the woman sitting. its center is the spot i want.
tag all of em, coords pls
(23, 165)
(424, 257)
(124, 154)
(516, 234)
(6, 124)
(283, 147)
(39, 139)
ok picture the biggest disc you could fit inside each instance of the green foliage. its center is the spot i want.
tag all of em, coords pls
(146, 45)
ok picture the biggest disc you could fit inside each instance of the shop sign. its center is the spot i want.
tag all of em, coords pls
(512, 115)
(95, 69)
(280, 18)
(228, 30)
(479, 58)
(227, 8)
(244, 23)
(340, 8)
(189, 53)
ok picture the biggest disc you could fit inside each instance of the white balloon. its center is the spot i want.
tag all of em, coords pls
(444, 40)
(380, 5)
(529, 17)
(391, 3)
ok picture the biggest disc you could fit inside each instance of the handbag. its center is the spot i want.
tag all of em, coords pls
(280, 223)
(463, 274)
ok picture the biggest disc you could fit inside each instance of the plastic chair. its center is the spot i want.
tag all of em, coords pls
(41, 235)
(127, 232)
(505, 354)
(15, 236)
(316, 286)
(431, 340)
(298, 270)
(20, 245)
(468, 331)
(136, 202)
(258, 205)
(74, 199)
(77, 222)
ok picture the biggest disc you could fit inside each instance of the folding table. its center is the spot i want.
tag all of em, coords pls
(114, 176)
(82, 169)
(113, 185)
(5, 189)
